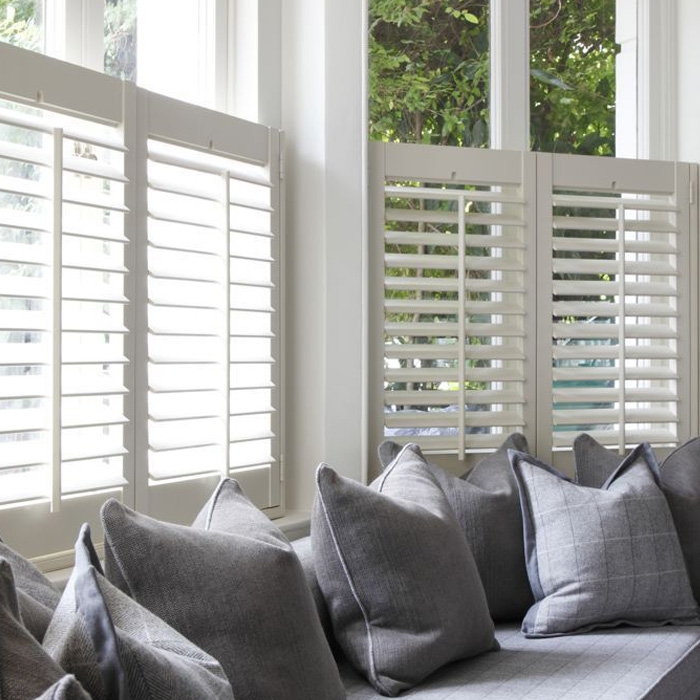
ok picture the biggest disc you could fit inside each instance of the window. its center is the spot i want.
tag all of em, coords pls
(186, 52)
(535, 292)
(139, 303)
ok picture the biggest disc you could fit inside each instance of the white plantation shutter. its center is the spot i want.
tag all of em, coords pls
(63, 293)
(451, 232)
(213, 294)
(617, 282)
(479, 327)
(139, 304)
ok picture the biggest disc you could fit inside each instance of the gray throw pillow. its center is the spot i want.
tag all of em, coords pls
(601, 557)
(120, 651)
(303, 549)
(26, 669)
(487, 505)
(402, 589)
(37, 596)
(680, 482)
(67, 688)
(234, 586)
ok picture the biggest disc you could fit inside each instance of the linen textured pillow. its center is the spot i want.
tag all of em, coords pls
(402, 588)
(601, 557)
(487, 505)
(680, 482)
(26, 669)
(119, 650)
(37, 596)
(234, 586)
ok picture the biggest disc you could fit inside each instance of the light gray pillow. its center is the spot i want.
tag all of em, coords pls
(487, 505)
(234, 586)
(26, 669)
(37, 596)
(601, 557)
(67, 688)
(680, 482)
(401, 585)
(118, 649)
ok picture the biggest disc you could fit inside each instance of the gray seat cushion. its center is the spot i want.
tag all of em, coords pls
(37, 596)
(625, 663)
(118, 650)
(233, 585)
(400, 582)
(26, 669)
(486, 503)
(601, 557)
(680, 482)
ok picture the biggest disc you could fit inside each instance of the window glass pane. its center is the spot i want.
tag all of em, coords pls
(21, 23)
(120, 39)
(174, 48)
(429, 71)
(572, 76)
(172, 52)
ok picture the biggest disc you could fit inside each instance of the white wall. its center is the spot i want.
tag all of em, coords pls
(323, 118)
(688, 90)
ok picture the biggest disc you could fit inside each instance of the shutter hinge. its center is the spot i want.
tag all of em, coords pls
(691, 193)
(281, 164)
(282, 468)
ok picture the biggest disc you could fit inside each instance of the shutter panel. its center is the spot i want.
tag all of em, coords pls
(213, 320)
(63, 294)
(456, 304)
(64, 373)
(618, 291)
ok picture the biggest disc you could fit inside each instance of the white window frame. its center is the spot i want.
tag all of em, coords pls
(241, 54)
(646, 77)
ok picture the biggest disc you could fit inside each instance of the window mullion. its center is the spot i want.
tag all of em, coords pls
(510, 74)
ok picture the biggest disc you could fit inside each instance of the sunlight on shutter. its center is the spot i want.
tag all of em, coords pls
(212, 328)
(61, 305)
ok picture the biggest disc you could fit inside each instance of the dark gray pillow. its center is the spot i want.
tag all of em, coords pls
(234, 586)
(594, 464)
(401, 585)
(680, 482)
(601, 557)
(487, 506)
(119, 650)
(37, 596)
(303, 549)
(26, 670)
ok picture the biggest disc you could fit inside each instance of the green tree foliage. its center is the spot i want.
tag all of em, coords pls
(429, 73)
(428, 77)
(20, 23)
(572, 93)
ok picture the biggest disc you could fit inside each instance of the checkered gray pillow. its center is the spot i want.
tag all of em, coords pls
(680, 482)
(601, 557)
